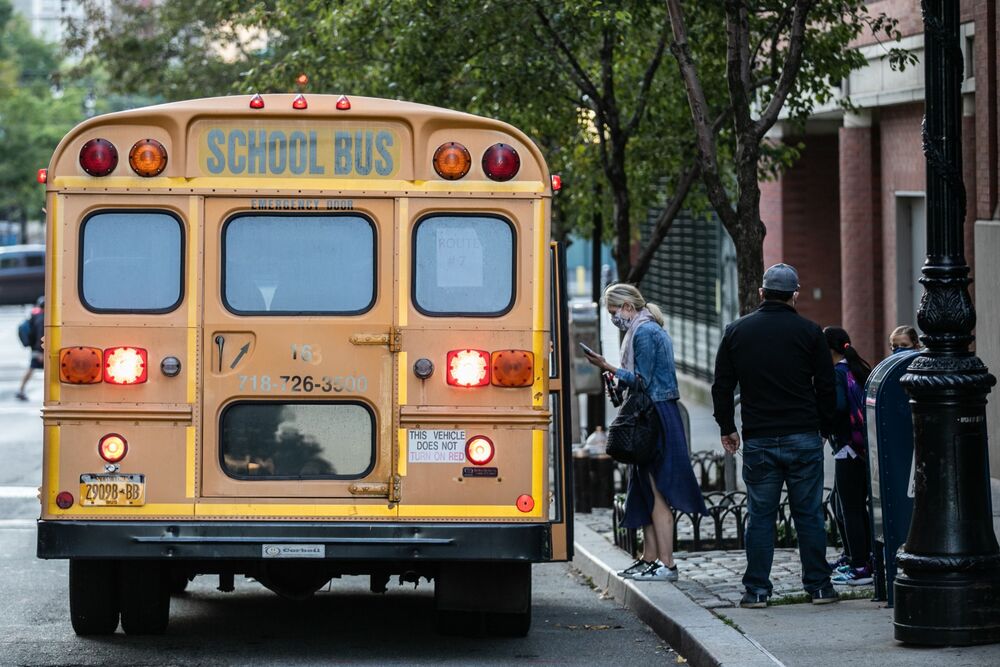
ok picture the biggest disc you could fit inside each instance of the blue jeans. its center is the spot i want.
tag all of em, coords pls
(797, 461)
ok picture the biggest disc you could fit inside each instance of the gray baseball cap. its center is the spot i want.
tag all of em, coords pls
(781, 278)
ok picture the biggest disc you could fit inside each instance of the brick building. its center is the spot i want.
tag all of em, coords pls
(851, 213)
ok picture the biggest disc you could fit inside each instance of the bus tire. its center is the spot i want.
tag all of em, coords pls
(145, 598)
(93, 597)
(477, 599)
(178, 582)
(509, 624)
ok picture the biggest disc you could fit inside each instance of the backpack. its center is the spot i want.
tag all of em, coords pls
(856, 415)
(25, 333)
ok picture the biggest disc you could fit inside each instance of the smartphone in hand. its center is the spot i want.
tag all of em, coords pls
(589, 351)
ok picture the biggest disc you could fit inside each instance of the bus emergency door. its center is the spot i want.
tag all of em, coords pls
(297, 349)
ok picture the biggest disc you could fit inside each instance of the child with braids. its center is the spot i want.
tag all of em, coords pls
(849, 452)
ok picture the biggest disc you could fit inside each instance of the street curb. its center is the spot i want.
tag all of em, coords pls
(692, 631)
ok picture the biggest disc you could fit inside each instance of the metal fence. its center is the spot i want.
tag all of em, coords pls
(724, 528)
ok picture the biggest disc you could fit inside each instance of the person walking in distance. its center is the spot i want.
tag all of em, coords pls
(36, 330)
(669, 481)
(785, 373)
(849, 452)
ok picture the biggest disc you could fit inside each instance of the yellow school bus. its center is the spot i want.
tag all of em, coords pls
(294, 337)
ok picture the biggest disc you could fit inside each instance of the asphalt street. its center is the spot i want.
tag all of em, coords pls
(342, 624)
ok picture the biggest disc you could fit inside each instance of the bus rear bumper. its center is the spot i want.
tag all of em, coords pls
(226, 540)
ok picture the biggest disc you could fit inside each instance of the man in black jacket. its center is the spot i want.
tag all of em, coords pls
(785, 374)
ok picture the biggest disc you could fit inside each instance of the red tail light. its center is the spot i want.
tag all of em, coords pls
(256, 102)
(112, 448)
(125, 365)
(343, 104)
(43, 175)
(479, 450)
(300, 102)
(98, 157)
(501, 162)
(468, 368)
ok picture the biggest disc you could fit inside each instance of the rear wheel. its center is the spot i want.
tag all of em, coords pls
(178, 582)
(145, 597)
(93, 597)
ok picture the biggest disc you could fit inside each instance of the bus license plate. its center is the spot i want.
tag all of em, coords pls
(112, 490)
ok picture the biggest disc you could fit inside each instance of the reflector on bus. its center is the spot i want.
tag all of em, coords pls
(468, 368)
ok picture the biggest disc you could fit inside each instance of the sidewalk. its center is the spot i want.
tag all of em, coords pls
(699, 619)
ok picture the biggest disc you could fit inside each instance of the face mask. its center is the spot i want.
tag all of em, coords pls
(620, 322)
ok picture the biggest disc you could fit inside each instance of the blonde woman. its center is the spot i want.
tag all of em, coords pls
(668, 482)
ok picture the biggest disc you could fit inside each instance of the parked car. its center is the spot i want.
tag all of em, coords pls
(22, 273)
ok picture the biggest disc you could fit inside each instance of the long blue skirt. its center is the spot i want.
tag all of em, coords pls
(672, 471)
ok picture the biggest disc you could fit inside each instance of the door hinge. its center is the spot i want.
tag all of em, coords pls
(393, 340)
(381, 490)
(395, 489)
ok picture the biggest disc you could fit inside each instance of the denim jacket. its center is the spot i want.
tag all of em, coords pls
(653, 352)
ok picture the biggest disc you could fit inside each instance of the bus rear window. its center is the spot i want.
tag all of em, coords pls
(463, 265)
(131, 262)
(297, 440)
(286, 264)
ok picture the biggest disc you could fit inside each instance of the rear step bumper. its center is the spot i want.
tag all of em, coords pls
(260, 540)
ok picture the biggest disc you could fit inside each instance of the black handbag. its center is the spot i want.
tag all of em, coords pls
(634, 434)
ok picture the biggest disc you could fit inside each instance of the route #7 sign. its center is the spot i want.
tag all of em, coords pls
(436, 446)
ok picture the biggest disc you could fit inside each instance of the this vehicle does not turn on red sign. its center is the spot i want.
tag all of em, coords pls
(436, 446)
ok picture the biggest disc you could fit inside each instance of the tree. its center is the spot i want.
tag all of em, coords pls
(585, 79)
(786, 51)
(32, 117)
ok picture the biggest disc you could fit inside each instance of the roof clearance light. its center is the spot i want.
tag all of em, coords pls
(452, 161)
(479, 450)
(468, 368)
(300, 102)
(501, 162)
(125, 365)
(556, 182)
(256, 102)
(80, 365)
(98, 157)
(112, 448)
(343, 104)
(513, 368)
(43, 175)
(148, 158)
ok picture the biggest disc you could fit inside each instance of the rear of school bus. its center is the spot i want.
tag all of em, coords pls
(295, 339)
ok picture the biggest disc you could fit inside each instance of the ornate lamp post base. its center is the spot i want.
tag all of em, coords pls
(949, 591)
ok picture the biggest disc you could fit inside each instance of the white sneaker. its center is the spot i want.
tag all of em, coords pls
(657, 571)
(634, 569)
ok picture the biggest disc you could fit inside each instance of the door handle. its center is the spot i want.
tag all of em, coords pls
(220, 342)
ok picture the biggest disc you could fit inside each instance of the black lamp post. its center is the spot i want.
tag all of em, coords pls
(949, 592)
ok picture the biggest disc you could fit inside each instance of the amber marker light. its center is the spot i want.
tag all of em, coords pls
(98, 157)
(468, 368)
(112, 448)
(80, 365)
(452, 161)
(513, 368)
(125, 365)
(148, 158)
